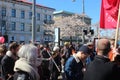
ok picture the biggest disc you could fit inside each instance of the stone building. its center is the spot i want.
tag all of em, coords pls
(16, 20)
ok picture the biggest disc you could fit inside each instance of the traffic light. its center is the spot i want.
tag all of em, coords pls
(6, 38)
(92, 31)
(85, 32)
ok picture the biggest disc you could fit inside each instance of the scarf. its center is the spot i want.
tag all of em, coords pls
(24, 65)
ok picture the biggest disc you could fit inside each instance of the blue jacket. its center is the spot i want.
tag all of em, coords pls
(73, 69)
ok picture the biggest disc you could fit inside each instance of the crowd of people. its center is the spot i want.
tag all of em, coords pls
(36, 61)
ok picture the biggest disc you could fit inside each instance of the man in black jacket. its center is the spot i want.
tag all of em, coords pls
(8, 61)
(101, 68)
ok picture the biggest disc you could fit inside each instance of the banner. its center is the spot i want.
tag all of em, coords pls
(57, 35)
(109, 14)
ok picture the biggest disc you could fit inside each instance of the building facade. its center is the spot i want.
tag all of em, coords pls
(16, 20)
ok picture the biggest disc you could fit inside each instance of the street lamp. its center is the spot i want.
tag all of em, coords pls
(33, 21)
(83, 8)
(83, 13)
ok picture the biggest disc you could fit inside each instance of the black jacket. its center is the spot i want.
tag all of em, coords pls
(102, 69)
(21, 75)
(7, 64)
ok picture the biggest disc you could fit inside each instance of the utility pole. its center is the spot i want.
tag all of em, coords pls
(33, 21)
(83, 15)
(83, 10)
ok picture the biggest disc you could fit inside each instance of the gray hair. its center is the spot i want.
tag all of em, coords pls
(29, 52)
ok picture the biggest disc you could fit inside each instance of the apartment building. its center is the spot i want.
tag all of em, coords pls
(16, 20)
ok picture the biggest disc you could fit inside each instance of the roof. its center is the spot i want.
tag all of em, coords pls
(26, 1)
(84, 15)
(70, 13)
(62, 11)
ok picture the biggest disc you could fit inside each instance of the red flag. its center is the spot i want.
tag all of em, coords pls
(109, 14)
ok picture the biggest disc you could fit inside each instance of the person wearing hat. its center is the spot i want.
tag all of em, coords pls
(74, 65)
(101, 68)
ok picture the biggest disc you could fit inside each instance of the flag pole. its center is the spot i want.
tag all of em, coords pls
(117, 28)
(54, 61)
(98, 32)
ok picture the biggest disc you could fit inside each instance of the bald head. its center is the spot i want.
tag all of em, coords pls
(103, 46)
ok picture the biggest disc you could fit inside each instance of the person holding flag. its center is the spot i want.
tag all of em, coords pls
(110, 19)
(101, 68)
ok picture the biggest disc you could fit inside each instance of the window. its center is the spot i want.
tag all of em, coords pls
(13, 26)
(22, 26)
(38, 28)
(49, 17)
(12, 38)
(38, 16)
(45, 17)
(30, 25)
(45, 10)
(46, 38)
(30, 15)
(22, 14)
(3, 12)
(3, 25)
(13, 13)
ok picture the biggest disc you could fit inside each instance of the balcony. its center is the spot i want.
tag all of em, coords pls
(48, 21)
(48, 32)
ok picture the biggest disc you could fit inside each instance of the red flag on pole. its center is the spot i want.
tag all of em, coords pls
(109, 14)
